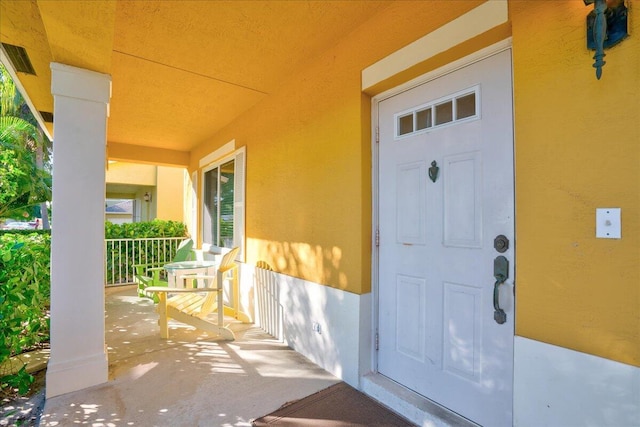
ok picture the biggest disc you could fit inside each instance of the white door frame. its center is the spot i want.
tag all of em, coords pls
(433, 75)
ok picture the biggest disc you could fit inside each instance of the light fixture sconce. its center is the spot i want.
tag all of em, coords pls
(606, 27)
(147, 197)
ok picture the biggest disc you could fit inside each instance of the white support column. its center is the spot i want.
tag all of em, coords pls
(78, 353)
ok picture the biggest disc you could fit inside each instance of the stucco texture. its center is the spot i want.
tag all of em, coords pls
(170, 193)
(308, 191)
(577, 149)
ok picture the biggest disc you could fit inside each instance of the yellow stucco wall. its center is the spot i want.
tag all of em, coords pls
(147, 155)
(308, 189)
(131, 173)
(164, 183)
(577, 149)
(308, 196)
(170, 193)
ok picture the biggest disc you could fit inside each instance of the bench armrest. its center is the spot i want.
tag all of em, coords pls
(180, 290)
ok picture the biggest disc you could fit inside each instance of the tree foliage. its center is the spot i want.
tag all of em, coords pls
(23, 182)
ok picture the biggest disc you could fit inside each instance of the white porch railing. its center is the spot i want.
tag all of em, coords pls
(270, 311)
(122, 254)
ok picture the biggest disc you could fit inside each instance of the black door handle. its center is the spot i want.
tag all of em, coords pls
(501, 273)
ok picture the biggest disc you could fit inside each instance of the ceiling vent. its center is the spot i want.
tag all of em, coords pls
(46, 116)
(19, 58)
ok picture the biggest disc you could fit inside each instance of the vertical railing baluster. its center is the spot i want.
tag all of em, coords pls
(122, 254)
(120, 261)
(128, 261)
(106, 262)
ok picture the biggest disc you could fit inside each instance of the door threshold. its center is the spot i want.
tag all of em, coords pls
(414, 407)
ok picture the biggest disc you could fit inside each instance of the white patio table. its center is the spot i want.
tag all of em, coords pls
(176, 270)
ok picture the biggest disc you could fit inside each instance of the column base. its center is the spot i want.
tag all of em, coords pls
(72, 375)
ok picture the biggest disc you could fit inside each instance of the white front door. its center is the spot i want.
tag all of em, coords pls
(437, 331)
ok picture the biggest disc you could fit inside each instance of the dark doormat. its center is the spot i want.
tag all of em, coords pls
(337, 406)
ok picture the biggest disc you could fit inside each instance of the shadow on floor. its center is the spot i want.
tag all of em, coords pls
(192, 379)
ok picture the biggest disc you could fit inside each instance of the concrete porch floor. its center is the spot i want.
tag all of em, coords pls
(192, 379)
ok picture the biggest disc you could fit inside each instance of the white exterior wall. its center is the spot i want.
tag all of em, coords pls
(329, 326)
(555, 386)
(78, 353)
(336, 345)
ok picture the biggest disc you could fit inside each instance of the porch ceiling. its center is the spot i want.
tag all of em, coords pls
(181, 70)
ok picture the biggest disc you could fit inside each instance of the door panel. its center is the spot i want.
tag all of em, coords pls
(437, 334)
(462, 330)
(410, 313)
(462, 200)
(411, 220)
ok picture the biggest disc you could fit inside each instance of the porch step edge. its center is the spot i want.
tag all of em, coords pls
(412, 406)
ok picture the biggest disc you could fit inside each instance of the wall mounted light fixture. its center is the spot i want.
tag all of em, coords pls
(606, 27)
(147, 197)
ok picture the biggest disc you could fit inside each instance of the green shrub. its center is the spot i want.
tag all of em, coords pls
(25, 286)
(140, 230)
(25, 232)
(24, 298)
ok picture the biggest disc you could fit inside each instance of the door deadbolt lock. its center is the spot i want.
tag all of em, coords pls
(501, 243)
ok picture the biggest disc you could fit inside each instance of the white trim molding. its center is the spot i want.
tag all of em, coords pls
(227, 148)
(475, 22)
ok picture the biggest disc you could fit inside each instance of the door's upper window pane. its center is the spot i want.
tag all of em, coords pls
(405, 124)
(423, 119)
(466, 106)
(439, 112)
(444, 113)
